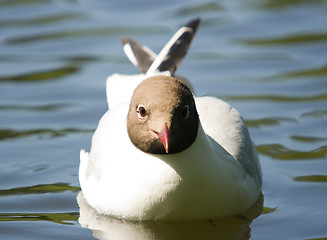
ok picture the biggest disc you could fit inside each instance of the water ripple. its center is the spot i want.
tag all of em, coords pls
(292, 39)
(41, 75)
(308, 73)
(61, 218)
(308, 139)
(38, 108)
(276, 98)
(14, 3)
(257, 123)
(51, 133)
(72, 60)
(315, 113)
(196, 9)
(274, 4)
(40, 189)
(278, 151)
(91, 32)
(41, 20)
(311, 178)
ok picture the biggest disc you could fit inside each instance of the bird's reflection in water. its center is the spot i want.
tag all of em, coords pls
(104, 227)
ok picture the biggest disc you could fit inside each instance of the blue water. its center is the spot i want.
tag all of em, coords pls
(266, 58)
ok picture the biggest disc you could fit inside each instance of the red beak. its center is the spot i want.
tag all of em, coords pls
(164, 136)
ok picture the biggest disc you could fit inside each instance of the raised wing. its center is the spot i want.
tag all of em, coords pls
(174, 51)
(120, 87)
(141, 56)
(170, 56)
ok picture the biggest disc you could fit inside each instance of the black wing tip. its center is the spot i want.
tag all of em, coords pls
(175, 54)
(194, 23)
(125, 40)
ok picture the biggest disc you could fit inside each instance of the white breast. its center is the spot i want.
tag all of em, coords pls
(203, 181)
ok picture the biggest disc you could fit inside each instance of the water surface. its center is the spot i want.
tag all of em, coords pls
(266, 58)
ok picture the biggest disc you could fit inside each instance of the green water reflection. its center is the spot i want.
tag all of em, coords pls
(257, 123)
(319, 113)
(277, 98)
(43, 75)
(39, 189)
(196, 9)
(37, 108)
(61, 218)
(278, 151)
(311, 178)
(92, 32)
(308, 139)
(288, 3)
(16, 3)
(41, 20)
(293, 39)
(270, 54)
(12, 134)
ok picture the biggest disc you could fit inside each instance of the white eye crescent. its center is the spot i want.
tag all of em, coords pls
(141, 111)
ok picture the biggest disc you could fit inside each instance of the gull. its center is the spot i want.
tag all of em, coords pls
(160, 152)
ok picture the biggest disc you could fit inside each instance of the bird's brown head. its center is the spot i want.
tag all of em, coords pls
(162, 117)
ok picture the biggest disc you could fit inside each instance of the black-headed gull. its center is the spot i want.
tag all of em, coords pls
(160, 153)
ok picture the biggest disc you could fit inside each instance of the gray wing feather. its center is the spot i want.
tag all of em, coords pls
(170, 56)
(141, 56)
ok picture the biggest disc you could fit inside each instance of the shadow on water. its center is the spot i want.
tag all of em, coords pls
(104, 227)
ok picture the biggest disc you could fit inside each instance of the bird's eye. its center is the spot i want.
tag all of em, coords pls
(141, 111)
(186, 111)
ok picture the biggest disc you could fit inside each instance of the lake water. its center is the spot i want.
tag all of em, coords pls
(266, 58)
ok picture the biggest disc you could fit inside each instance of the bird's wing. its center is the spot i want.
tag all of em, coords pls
(224, 124)
(120, 87)
(174, 51)
(141, 56)
(170, 56)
